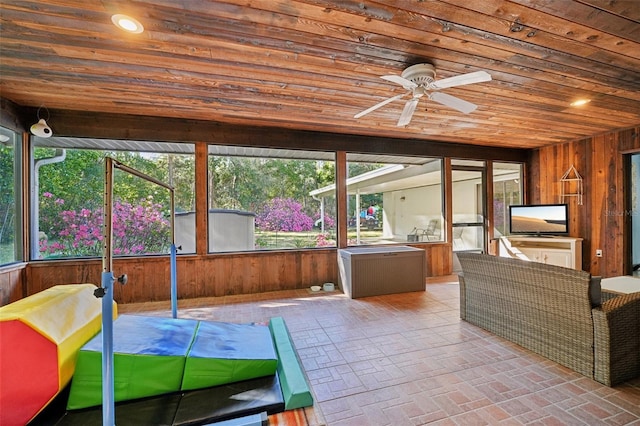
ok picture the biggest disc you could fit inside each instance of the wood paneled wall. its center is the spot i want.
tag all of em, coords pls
(12, 281)
(439, 258)
(212, 275)
(197, 276)
(602, 218)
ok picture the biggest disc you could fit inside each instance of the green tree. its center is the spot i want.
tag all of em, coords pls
(248, 183)
(355, 169)
(325, 173)
(7, 173)
(131, 188)
(7, 193)
(236, 183)
(79, 179)
(181, 171)
(295, 177)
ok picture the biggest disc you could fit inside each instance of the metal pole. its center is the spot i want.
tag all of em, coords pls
(108, 399)
(141, 175)
(174, 285)
(358, 216)
(174, 280)
(108, 280)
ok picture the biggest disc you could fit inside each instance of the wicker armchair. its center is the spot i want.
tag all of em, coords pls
(617, 339)
(554, 312)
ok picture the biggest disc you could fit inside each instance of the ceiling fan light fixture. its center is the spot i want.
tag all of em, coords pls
(580, 102)
(127, 23)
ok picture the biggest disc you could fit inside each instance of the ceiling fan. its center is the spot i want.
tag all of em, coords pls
(420, 80)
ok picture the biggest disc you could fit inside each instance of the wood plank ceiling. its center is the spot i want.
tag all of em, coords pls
(312, 65)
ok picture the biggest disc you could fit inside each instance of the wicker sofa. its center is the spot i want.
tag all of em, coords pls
(553, 311)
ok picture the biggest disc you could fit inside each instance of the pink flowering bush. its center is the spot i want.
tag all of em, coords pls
(283, 214)
(329, 223)
(324, 240)
(140, 229)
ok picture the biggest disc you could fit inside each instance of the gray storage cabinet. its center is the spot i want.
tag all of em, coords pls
(372, 271)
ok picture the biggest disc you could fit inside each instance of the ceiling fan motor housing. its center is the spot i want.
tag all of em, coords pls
(420, 74)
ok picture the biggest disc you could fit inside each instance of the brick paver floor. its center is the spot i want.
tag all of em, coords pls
(408, 359)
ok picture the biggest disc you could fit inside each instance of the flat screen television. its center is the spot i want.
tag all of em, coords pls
(539, 219)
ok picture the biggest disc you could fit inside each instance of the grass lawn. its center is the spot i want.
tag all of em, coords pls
(306, 239)
(7, 254)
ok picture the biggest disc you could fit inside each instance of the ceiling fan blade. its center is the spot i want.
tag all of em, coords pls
(407, 84)
(453, 102)
(461, 80)
(376, 106)
(407, 112)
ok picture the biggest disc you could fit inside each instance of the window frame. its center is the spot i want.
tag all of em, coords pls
(104, 147)
(423, 230)
(14, 138)
(319, 236)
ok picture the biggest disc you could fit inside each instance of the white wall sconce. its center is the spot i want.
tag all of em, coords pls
(41, 128)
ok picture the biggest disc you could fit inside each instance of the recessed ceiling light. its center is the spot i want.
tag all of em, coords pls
(127, 23)
(580, 102)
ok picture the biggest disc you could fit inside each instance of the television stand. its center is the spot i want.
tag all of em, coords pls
(559, 251)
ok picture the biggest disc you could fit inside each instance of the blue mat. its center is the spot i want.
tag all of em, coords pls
(227, 353)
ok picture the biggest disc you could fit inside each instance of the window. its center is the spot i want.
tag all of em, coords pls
(468, 203)
(68, 177)
(10, 201)
(270, 199)
(507, 190)
(393, 199)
